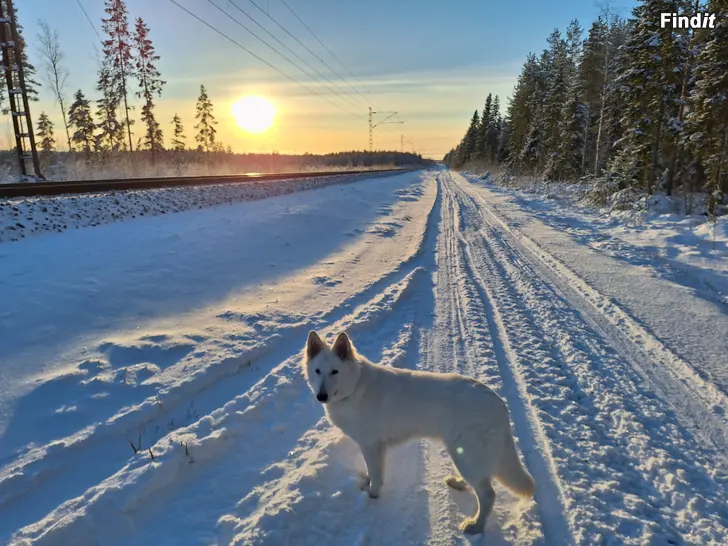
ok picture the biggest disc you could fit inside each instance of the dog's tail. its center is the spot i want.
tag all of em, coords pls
(512, 473)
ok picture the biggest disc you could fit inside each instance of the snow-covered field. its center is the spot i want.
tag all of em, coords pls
(22, 217)
(151, 391)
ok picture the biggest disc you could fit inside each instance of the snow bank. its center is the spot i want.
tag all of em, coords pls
(22, 217)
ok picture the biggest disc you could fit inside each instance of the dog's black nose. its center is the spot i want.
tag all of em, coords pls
(322, 397)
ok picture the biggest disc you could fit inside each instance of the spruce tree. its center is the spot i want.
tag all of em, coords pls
(651, 81)
(481, 151)
(707, 119)
(534, 152)
(118, 60)
(467, 147)
(557, 95)
(205, 122)
(504, 152)
(178, 142)
(81, 121)
(520, 110)
(567, 160)
(150, 82)
(492, 132)
(44, 132)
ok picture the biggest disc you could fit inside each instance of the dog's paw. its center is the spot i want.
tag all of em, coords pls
(470, 527)
(364, 482)
(373, 494)
(456, 482)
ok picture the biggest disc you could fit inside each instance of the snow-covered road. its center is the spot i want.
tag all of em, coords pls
(180, 337)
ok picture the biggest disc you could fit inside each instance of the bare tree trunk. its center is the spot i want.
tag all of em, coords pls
(604, 101)
(50, 49)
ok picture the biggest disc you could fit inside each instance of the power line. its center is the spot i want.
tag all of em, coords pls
(333, 89)
(304, 45)
(261, 59)
(80, 5)
(325, 47)
(267, 45)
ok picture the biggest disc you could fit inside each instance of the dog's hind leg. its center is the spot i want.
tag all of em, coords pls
(476, 466)
(486, 499)
(374, 459)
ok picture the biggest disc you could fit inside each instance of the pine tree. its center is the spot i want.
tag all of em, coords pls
(707, 120)
(111, 137)
(151, 84)
(81, 120)
(118, 65)
(178, 142)
(44, 133)
(205, 122)
(29, 72)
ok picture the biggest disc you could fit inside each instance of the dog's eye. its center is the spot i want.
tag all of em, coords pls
(334, 372)
(318, 371)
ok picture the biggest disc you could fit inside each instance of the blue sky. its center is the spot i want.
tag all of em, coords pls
(432, 61)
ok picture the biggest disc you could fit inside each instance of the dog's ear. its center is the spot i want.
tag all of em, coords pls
(314, 345)
(342, 347)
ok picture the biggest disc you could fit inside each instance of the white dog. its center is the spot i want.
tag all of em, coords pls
(378, 406)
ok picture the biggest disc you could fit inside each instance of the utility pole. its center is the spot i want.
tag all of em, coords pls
(401, 144)
(15, 81)
(384, 121)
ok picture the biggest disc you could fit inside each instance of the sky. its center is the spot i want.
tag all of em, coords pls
(434, 62)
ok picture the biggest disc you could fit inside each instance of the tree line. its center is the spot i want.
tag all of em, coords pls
(631, 105)
(127, 68)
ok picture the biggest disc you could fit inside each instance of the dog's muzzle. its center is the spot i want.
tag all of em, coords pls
(322, 397)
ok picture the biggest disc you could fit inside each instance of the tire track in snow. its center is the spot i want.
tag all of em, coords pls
(696, 399)
(627, 465)
(460, 342)
(532, 440)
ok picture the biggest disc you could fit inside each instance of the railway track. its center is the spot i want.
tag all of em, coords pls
(34, 189)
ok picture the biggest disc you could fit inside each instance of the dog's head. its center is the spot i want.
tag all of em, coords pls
(331, 372)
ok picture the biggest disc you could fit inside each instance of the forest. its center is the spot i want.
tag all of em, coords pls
(624, 105)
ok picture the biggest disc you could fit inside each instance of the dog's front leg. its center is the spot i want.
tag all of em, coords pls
(374, 459)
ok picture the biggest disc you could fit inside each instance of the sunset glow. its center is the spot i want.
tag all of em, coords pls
(254, 114)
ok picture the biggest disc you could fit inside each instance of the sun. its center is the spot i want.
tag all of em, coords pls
(254, 114)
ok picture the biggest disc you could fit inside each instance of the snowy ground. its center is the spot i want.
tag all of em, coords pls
(180, 337)
(21, 217)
